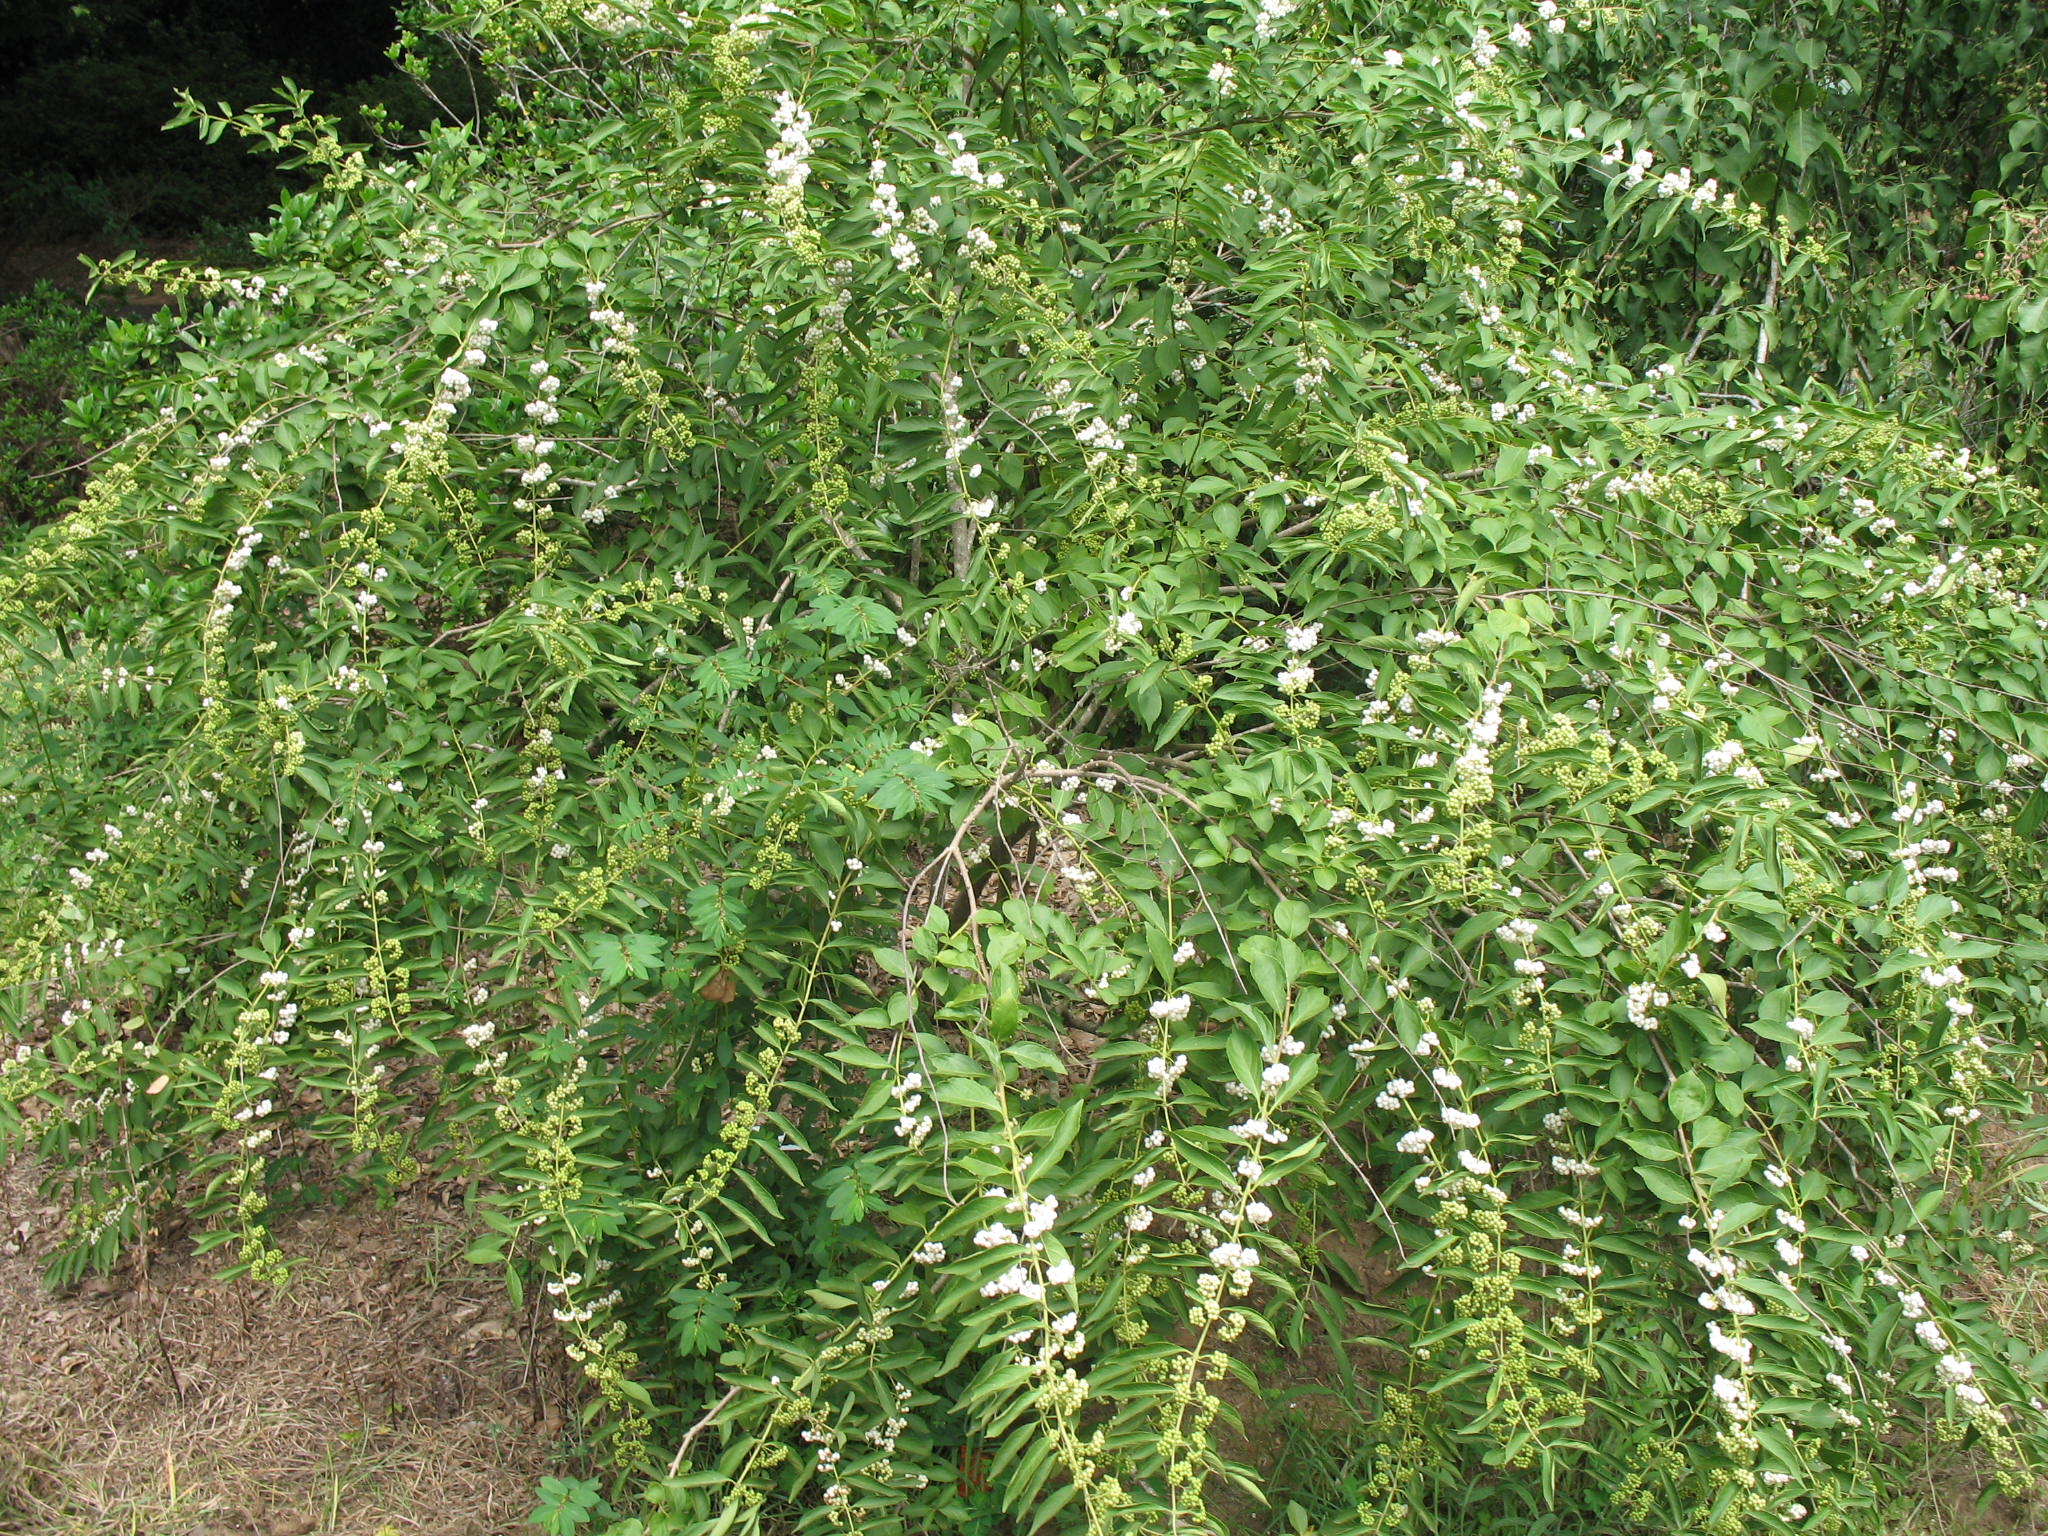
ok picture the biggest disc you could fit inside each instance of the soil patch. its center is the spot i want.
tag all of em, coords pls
(386, 1388)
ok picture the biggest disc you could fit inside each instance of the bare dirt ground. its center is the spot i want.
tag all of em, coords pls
(387, 1389)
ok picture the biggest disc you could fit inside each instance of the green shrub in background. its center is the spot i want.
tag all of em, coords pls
(1002, 708)
(46, 342)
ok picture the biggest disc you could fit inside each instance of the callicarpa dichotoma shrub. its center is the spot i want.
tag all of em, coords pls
(1000, 710)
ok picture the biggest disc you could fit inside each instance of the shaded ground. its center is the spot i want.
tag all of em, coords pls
(387, 1388)
(1304, 1430)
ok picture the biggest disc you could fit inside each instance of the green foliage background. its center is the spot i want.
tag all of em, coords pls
(46, 344)
(1005, 708)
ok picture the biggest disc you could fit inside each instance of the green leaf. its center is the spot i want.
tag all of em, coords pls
(567, 1504)
(1804, 137)
(724, 674)
(1004, 1003)
(2032, 815)
(1666, 1185)
(966, 1093)
(1716, 987)
(905, 784)
(849, 1198)
(626, 956)
(698, 1318)
(1729, 1162)
(719, 911)
(1654, 1145)
(1688, 1098)
(852, 617)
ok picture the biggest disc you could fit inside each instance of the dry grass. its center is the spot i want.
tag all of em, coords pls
(1945, 1498)
(386, 1388)
(1951, 1493)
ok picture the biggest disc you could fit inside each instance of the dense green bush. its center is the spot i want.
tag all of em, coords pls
(1001, 707)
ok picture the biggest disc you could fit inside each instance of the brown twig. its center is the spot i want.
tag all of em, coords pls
(675, 1465)
(177, 1387)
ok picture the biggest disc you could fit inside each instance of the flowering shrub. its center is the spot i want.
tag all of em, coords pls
(1003, 708)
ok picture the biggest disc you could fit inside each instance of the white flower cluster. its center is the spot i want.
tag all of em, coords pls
(967, 165)
(1703, 196)
(1919, 873)
(226, 590)
(953, 421)
(1102, 439)
(1642, 997)
(1127, 625)
(1276, 219)
(120, 677)
(1015, 1281)
(1910, 809)
(1234, 1257)
(789, 158)
(1166, 1073)
(1734, 1398)
(1315, 372)
(1637, 166)
(1720, 759)
(1271, 14)
(888, 214)
(1171, 1010)
(619, 334)
(910, 1125)
(1258, 1128)
(252, 288)
(616, 17)
(1342, 816)
(1276, 1056)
